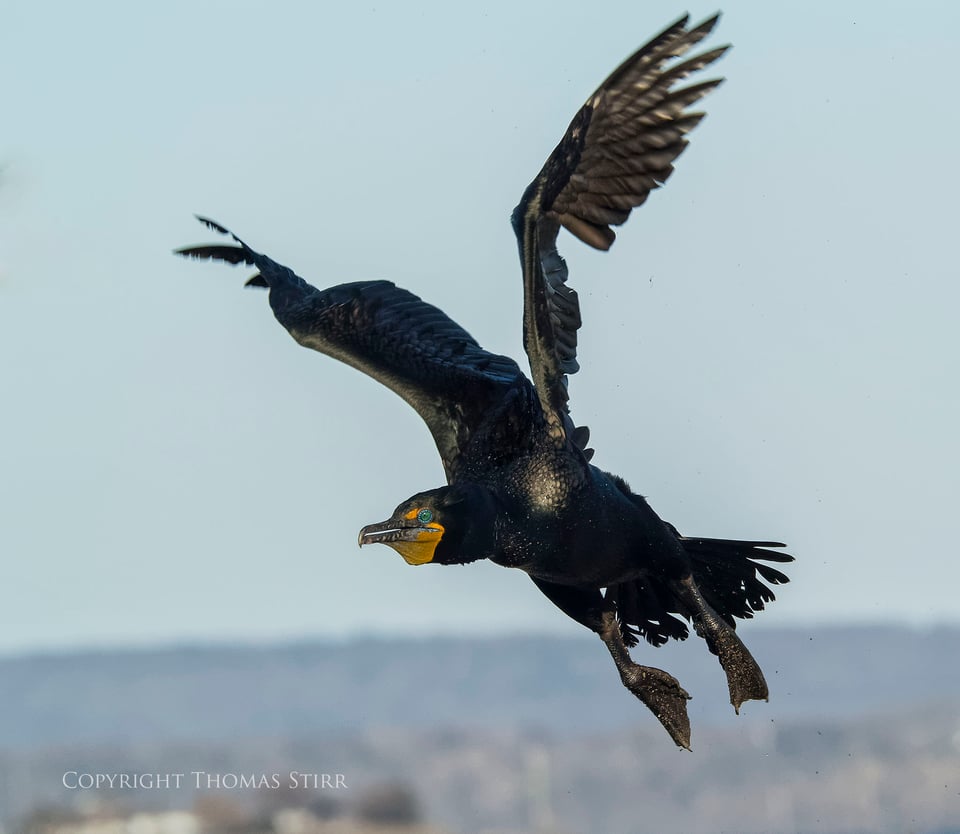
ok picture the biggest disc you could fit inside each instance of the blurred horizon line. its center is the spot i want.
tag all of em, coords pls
(292, 640)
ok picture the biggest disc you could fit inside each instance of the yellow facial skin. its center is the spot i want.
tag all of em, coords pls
(420, 551)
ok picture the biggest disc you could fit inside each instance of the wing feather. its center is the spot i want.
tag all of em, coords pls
(410, 346)
(620, 146)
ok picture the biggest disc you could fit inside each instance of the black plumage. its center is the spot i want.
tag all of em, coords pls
(520, 489)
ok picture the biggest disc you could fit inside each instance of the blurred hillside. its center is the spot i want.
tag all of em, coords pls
(523, 734)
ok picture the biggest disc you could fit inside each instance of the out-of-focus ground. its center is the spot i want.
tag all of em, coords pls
(508, 735)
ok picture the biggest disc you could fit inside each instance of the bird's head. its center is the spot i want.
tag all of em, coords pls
(450, 525)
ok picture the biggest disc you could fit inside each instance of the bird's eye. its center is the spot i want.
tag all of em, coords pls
(424, 516)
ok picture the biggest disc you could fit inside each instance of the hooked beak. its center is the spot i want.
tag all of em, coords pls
(414, 541)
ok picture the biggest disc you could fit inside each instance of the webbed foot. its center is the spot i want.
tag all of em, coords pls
(745, 681)
(660, 691)
(663, 695)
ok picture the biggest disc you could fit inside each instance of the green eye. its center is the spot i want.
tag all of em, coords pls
(424, 516)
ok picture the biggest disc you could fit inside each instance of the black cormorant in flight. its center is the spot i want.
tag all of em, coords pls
(520, 488)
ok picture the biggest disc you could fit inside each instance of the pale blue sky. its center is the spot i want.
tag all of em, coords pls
(769, 350)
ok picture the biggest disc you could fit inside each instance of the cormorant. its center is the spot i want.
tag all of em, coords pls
(520, 488)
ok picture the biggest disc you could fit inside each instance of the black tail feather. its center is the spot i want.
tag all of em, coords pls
(726, 571)
(647, 609)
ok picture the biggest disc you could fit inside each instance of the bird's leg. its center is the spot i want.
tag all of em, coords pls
(745, 681)
(660, 691)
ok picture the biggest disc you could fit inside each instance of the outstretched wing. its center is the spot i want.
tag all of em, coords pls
(391, 335)
(618, 148)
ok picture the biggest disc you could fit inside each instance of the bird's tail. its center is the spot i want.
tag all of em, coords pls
(731, 573)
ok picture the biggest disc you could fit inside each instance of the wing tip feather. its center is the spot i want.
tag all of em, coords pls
(212, 224)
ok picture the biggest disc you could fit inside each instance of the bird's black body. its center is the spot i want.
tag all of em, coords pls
(521, 490)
